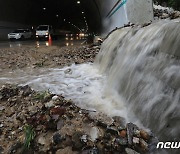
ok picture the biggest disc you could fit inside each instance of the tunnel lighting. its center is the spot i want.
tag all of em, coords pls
(44, 8)
(57, 15)
(64, 19)
(82, 12)
(78, 2)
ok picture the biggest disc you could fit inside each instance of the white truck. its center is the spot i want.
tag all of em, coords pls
(43, 31)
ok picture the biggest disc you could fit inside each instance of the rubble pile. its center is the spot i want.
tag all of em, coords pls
(18, 58)
(41, 122)
(165, 13)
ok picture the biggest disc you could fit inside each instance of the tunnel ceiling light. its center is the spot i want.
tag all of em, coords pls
(44, 8)
(57, 15)
(78, 2)
(82, 12)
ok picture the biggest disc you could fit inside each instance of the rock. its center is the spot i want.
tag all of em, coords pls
(57, 138)
(55, 98)
(119, 121)
(57, 111)
(1, 125)
(42, 140)
(112, 130)
(164, 16)
(14, 148)
(130, 151)
(94, 133)
(32, 109)
(121, 141)
(68, 71)
(144, 135)
(102, 119)
(123, 133)
(84, 138)
(130, 132)
(137, 133)
(143, 145)
(1, 150)
(10, 111)
(60, 124)
(67, 150)
(135, 140)
(76, 139)
(25, 90)
(2, 108)
(94, 150)
(49, 104)
(7, 91)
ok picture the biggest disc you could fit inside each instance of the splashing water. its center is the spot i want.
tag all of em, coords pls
(139, 68)
(134, 76)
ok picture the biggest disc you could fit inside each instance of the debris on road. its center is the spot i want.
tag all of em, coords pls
(42, 122)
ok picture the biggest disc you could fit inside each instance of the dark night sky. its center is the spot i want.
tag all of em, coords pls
(31, 12)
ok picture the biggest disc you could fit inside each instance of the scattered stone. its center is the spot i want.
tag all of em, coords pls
(49, 104)
(112, 130)
(94, 133)
(62, 129)
(55, 98)
(76, 139)
(135, 140)
(130, 130)
(121, 141)
(60, 124)
(15, 147)
(42, 140)
(67, 150)
(143, 145)
(1, 150)
(130, 151)
(84, 138)
(57, 111)
(123, 133)
(144, 135)
(57, 138)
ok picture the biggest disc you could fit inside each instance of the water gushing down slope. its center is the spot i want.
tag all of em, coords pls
(142, 65)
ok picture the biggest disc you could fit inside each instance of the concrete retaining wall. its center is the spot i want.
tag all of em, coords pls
(134, 11)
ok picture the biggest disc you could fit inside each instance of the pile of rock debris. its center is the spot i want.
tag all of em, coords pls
(165, 13)
(41, 122)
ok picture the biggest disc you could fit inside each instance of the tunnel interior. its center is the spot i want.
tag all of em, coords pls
(69, 15)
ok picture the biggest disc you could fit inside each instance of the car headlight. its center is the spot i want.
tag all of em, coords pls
(36, 33)
(47, 33)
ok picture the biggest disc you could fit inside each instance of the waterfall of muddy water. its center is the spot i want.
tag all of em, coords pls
(134, 76)
(142, 65)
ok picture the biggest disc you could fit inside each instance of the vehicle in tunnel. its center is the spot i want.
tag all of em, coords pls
(20, 34)
(43, 31)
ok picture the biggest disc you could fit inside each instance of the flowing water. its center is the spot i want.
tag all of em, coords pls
(136, 75)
